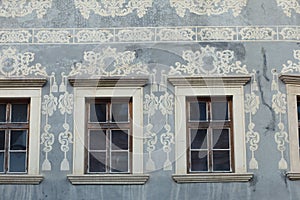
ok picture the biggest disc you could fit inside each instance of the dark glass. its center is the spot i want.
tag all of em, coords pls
(198, 111)
(221, 161)
(97, 162)
(2, 139)
(98, 112)
(298, 110)
(119, 161)
(97, 140)
(220, 138)
(17, 162)
(119, 139)
(119, 112)
(219, 110)
(198, 138)
(19, 112)
(2, 112)
(199, 161)
(18, 140)
(1, 162)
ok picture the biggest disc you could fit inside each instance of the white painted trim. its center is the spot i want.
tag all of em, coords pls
(79, 123)
(21, 179)
(212, 177)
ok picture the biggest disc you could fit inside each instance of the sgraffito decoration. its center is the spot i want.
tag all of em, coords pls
(279, 105)
(211, 7)
(112, 8)
(9, 8)
(210, 61)
(288, 6)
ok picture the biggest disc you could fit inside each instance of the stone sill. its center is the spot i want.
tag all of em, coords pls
(293, 176)
(99, 179)
(212, 177)
(21, 179)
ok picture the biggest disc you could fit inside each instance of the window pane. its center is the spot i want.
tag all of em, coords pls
(97, 140)
(220, 138)
(2, 139)
(198, 111)
(221, 161)
(17, 162)
(19, 112)
(119, 112)
(1, 162)
(199, 161)
(97, 162)
(119, 162)
(119, 139)
(198, 139)
(219, 110)
(18, 140)
(2, 113)
(98, 112)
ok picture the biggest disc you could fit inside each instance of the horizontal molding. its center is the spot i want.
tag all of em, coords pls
(290, 79)
(21, 179)
(293, 176)
(211, 81)
(22, 82)
(109, 82)
(173, 34)
(212, 177)
(126, 179)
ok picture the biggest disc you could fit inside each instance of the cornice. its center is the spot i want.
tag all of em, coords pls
(21, 179)
(22, 82)
(212, 177)
(293, 79)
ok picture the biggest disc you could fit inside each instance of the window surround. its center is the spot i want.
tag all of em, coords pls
(26, 88)
(210, 86)
(108, 87)
(292, 82)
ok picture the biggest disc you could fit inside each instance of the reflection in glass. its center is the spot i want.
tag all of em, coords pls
(17, 162)
(199, 161)
(119, 139)
(119, 162)
(220, 138)
(19, 112)
(97, 162)
(221, 161)
(2, 112)
(119, 112)
(98, 112)
(97, 140)
(18, 139)
(198, 138)
(198, 111)
(219, 110)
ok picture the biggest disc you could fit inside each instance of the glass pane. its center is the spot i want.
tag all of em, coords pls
(1, 162)
(119, 139)
(18, 140)
(199, 161)
(97, 162)
(2, 112)
(221, 161)
(219, 110)
(119, 112)
(198, 111)
(98, 112)
(220, 138)
(198, 139)
(119, 162)
(17, 162)
(2, 139)
(298, 110)
(97, 140)
(19, 112)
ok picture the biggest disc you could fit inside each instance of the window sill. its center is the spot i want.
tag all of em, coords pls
(212, 177)
(293, 176)
(21, 179)
(126, 179)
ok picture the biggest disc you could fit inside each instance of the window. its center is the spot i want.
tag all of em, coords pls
(108, 124)
(209, 124)
(108, 135)
(213, 110)
(20, 107)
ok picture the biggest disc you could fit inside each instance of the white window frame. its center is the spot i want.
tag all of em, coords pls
(108, 88)
(32, 89)
(293, 90)
(203, 87)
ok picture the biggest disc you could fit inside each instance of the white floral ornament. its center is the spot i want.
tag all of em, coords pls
(288, 6)
(208, 7)
(112, 8)
(251, 103)
(292, 66)
(279, 103)
(20, 8)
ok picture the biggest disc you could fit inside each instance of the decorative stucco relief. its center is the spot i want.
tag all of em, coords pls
(53, 36)
(211, 7)
(21, 8)
(288, 6)
(17, 36)
(210, 33)
(181, 34)
(86, 36)
(113, 8)
(139, 34)
(256, 33)
(290, 33)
